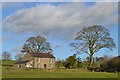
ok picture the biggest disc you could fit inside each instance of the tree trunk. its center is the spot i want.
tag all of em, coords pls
(91, 61)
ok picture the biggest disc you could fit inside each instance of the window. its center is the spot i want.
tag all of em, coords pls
(19, 66)
(38, 60)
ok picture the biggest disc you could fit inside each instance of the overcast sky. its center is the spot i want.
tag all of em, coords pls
(58, 22)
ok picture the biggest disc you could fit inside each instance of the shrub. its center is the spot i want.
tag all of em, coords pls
(112, 65)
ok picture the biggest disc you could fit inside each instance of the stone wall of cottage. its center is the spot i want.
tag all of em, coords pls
(49, 62)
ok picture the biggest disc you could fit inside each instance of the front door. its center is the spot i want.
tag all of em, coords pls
(45, 66)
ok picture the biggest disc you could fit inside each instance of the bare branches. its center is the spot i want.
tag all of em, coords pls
(91, 39)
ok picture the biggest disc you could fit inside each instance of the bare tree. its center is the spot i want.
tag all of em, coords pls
(91, 39)
(18, 56)
(37, 44)
(6, 55)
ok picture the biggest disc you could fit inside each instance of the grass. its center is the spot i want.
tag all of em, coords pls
(8, 62)
(54, 74)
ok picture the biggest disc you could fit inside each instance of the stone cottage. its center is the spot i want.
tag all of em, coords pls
(36, 60)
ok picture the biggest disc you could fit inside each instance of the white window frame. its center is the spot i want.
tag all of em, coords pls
(38, 60)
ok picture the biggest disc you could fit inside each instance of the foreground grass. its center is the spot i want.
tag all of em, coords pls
(56, 74)
(81, 73)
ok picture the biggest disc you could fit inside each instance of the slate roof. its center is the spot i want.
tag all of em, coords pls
(22, 62)
(42, 55)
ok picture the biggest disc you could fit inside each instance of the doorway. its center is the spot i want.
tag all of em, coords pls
(45, 66)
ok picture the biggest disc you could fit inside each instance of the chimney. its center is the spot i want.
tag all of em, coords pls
(29, 51)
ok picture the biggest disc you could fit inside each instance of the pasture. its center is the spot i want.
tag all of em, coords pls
(36, 73)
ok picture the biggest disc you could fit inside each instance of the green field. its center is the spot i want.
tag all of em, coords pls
(81, 73)
(57, 74)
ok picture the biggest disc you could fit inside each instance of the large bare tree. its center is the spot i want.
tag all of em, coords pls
(91, 39)
(37, 44)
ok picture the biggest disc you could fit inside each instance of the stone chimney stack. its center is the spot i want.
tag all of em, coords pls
(50, 51)
(29, 51)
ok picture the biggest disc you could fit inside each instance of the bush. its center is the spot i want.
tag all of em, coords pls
(112, 65)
